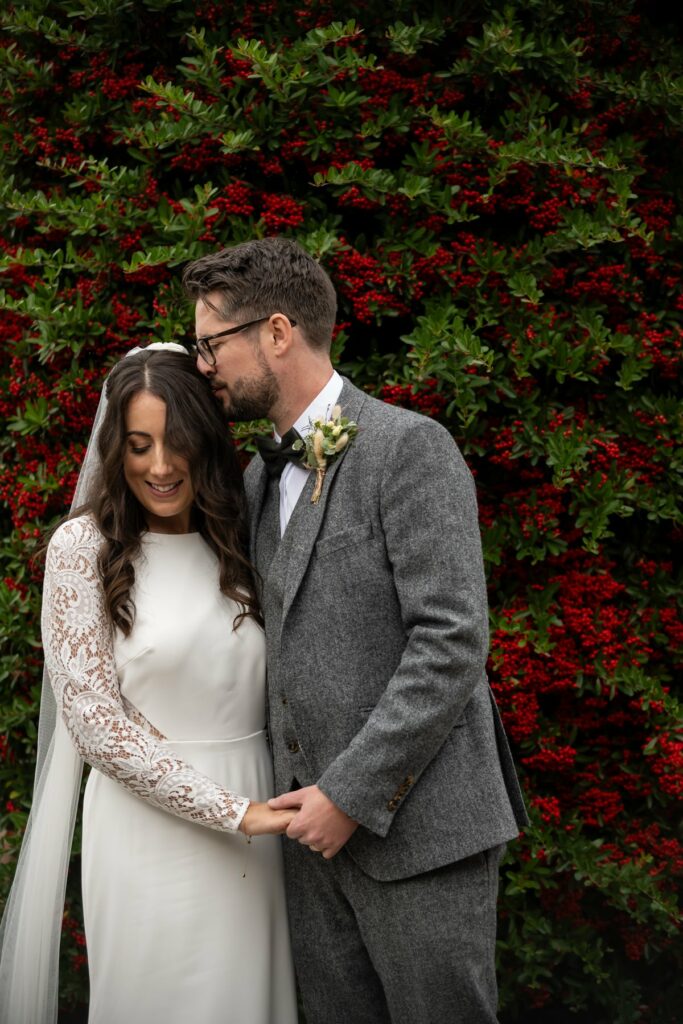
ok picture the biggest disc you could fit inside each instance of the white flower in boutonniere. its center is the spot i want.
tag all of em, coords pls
(326, 440)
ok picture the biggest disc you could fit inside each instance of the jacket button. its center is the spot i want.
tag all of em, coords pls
(293, 747)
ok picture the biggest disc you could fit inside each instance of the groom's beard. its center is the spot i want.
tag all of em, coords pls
(252, 398)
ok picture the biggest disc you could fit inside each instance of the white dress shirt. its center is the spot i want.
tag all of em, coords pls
(294, 476)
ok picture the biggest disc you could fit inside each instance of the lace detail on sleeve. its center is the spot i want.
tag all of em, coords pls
(136, 716)
(77, 638)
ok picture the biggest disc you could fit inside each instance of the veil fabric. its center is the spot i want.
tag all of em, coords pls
(32, 922)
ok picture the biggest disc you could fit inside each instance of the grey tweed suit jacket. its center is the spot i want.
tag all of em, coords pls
(377, 645)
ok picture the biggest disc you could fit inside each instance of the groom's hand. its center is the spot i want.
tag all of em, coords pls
(319, 823)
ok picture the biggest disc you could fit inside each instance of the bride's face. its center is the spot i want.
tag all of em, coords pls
(158, 477)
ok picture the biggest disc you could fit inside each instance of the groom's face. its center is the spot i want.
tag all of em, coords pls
(241, 376)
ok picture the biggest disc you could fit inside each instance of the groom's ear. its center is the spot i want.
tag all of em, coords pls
(279, 334)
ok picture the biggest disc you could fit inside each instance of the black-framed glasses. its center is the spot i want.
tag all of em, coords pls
(203, 345)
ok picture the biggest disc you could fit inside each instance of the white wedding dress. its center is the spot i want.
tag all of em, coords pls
(185, 919)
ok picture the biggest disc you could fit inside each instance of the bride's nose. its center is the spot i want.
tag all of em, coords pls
(162, 461)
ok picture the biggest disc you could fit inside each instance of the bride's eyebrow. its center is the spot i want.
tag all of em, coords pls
(143, 433)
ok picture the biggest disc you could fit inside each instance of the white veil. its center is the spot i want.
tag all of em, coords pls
(32, 923)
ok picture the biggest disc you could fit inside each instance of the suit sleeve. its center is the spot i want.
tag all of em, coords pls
(429, 518)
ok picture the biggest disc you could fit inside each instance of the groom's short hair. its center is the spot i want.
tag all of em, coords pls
(265, 276)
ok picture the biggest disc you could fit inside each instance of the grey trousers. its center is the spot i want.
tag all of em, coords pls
(415, 951)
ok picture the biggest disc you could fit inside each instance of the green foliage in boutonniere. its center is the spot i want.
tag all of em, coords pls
(326, 440)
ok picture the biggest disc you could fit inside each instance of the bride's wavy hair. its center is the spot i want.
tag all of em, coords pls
(197, 429)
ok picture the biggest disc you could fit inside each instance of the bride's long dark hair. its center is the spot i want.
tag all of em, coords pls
(196, 428)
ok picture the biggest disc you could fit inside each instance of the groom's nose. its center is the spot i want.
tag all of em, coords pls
(206, 368)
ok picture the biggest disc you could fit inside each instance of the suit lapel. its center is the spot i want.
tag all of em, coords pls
(256, 486)
(304, 526)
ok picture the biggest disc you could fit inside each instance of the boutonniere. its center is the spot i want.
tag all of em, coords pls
(325, 442)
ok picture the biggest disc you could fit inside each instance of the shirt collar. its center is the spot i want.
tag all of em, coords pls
(320, 408)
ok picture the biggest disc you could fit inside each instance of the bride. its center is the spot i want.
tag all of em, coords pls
(155, 654)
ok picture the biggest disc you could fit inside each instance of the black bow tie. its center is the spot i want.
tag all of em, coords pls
(276, 456)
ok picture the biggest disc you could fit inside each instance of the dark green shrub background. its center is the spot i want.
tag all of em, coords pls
(494, 188)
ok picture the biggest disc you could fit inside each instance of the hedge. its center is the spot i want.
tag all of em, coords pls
(494, 190)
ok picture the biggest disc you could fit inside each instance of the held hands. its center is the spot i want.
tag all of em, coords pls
(319, 823)
(260, 820)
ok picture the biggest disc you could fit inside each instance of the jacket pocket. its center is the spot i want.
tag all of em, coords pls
(345, 538)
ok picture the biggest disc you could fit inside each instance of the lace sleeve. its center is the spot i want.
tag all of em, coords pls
(77, 638)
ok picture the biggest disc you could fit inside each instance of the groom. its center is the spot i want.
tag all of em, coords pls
(384, 733)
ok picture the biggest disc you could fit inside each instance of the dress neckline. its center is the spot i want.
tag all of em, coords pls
(150, 535)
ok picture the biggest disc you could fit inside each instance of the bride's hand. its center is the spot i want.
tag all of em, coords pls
(261, 820)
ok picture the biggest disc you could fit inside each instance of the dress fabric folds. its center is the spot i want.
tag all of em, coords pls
(185, 918)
